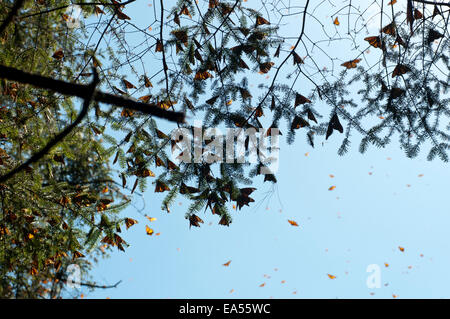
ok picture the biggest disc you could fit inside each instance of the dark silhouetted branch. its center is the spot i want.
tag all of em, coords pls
(79, 90)
(88, 94)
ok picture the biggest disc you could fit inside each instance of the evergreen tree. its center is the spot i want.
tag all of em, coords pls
(209, 52)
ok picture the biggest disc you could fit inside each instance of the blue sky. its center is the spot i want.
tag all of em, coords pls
(380, 203)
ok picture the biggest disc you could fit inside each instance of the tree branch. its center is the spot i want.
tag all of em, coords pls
(37, 156)
(79, 90)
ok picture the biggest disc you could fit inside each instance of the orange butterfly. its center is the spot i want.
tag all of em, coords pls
(145, 98)
(400, 69)
(202, 75)
(128, 85)
(149, 230)
(351, 64)
(147, 82)
(77, 254)
(227, 263)
(122, 16)
(58, 55)
(292, 222)
(261, 20)
(376, 42)
(159, 46)
(130, 222)
(265, 67)
(331, 276)
(401, 248)
(336, 21)
(417, 14)
(300, 99)
(161, 187)
(389, 29)
(331, 188)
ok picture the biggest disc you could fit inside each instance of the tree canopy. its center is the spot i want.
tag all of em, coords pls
(84, 99)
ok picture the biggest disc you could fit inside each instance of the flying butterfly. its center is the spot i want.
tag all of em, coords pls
(351, 64)
(292, 222)
(227, 263)
(202, 75)
(336, 21)
(148, 230)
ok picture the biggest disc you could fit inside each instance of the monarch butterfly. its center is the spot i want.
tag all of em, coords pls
(400, 69)
(145, 98)
(194, 220)
(277, 52)
(351, 64)
(260, 20)
(147, 82)
(159, 46)
(334, 124)
(202, 75)
(331, 276)
(376, 42)
(389, 29)
(77, 254)
(130, 222)
(292, 222)
(265, 67)
(148, 230)
(184, 189)
(397, 92)
(227, 263)
(58, 55)
(311, 115)
(336, 21)
(161, 187)
(300, 99)
(297, 58)
(128, 85)
(298, 122)
(224, 221)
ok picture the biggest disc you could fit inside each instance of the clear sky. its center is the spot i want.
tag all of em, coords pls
(381, 201)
